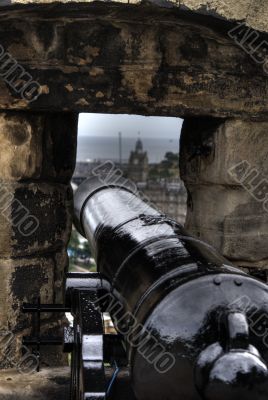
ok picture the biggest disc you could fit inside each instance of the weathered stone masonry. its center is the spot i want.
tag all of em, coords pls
(221, 209)
(36, 163)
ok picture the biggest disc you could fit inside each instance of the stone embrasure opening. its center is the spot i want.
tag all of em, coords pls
(144, 151)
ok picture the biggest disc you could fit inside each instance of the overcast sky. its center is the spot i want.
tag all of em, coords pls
(129, 125)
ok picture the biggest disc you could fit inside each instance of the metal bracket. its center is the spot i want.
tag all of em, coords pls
(86, 340)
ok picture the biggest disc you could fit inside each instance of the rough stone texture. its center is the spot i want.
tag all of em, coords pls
(50, 203)
(50, 384)
(220, 209)
(31, 146)
(131, 59)
(253, 12)
(21, 151)
(53, 384)
(35, 218)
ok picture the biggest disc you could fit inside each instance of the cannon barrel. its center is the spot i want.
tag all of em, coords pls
(194, 325)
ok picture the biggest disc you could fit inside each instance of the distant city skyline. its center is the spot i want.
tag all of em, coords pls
(130, 126)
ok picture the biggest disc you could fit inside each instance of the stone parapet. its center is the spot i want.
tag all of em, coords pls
(225, 169)
(35, 221)
(254, 13)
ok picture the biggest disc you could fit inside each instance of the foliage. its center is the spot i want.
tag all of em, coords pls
(80, 257)
(74, 240)
(167, 168)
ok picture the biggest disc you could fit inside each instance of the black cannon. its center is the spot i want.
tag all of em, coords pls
(190, 325)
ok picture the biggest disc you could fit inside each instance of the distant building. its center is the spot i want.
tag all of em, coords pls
(166, 194)
(138, 164)
(85, 169)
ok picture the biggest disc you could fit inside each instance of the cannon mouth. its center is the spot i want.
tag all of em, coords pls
(232, 368)
(93, 185)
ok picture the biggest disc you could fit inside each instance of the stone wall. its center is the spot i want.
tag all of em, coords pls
(36, 164)
(130, 59)
(224, 166)
(253, 12)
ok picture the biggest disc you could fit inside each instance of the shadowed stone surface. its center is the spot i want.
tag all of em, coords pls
(253, 12)
(50, 384)
(53, 384)
(138, 59)
(35, 218)
(222, 210)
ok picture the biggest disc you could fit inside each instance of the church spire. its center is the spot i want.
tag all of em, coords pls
(139, 146)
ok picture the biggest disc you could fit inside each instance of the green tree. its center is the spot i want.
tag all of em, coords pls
(74, 240)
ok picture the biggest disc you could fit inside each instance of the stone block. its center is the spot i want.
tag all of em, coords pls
(37, 146)
(21, 146)
(25, 280)
(231, 220)
(35, 218)
(211, 147)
